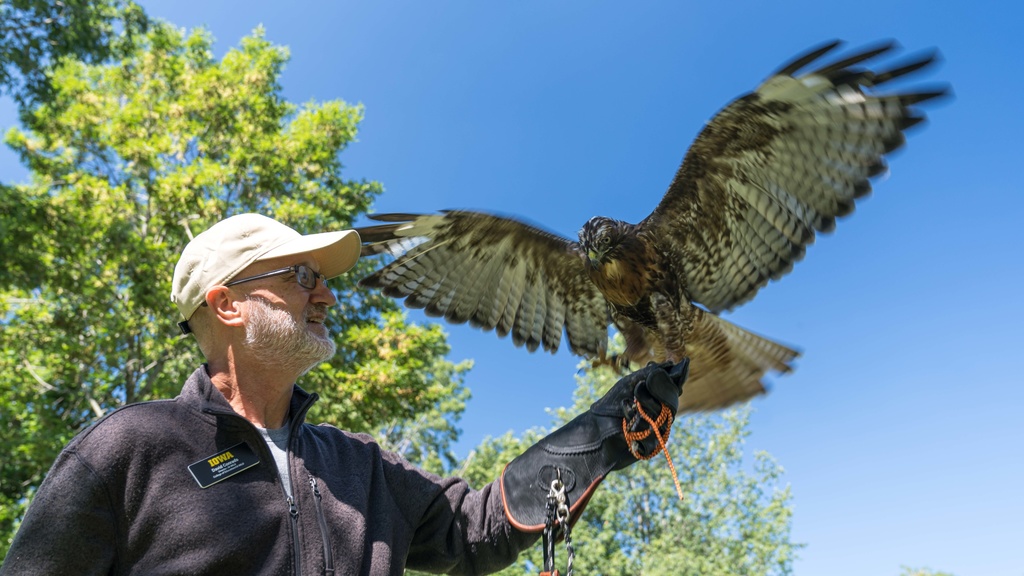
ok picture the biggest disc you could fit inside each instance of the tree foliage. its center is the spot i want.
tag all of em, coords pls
(395, 380)
(908, 571)
(128, 160)
(734, 518)
(36, 34)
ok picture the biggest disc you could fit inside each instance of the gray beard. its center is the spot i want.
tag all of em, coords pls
(272, 333)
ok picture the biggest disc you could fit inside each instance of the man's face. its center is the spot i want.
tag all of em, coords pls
(285, 321)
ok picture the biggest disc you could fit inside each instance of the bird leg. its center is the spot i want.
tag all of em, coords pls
(618, 362)
(675, 323)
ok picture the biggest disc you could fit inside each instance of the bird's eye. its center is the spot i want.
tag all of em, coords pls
(605, 241)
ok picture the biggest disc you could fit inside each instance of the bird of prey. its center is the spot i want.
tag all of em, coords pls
(765, 174)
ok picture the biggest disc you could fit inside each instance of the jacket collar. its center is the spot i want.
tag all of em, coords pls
(200, 392)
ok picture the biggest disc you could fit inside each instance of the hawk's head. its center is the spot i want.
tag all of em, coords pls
(601, 239)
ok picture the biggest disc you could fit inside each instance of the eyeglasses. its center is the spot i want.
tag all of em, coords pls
(304, 275)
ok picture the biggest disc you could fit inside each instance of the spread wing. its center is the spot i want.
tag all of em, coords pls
(778, 165)
(493, 272)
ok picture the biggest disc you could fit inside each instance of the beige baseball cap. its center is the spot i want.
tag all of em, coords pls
(226, 248)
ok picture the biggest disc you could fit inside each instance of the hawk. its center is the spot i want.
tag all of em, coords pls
(765, 174)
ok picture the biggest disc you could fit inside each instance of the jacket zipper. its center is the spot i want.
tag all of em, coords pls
(293, 510)
(328, 554)
(293, 513)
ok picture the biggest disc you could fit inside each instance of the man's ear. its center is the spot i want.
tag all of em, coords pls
(225, 307)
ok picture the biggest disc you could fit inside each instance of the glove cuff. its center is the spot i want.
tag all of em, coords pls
(527, 512)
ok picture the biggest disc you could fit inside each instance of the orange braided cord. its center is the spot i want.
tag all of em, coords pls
(665, 418)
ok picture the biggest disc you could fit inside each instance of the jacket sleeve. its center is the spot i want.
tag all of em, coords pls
(469, 529)
(69, 527)
(456, 529)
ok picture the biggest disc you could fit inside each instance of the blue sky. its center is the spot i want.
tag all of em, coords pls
(900, 430)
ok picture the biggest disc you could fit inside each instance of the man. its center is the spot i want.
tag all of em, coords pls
(227, 478)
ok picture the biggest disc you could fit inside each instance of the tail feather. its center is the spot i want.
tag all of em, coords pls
(728, 364)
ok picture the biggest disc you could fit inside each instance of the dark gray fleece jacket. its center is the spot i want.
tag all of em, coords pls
(124, 497)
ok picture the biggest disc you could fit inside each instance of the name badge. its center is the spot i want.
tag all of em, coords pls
(222, 465)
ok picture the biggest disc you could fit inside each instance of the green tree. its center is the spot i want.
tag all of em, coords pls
(734, 517)
(36, 34)
(128, 160)
(403, 368)
(908, 571)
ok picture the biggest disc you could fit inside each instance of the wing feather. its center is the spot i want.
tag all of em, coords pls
(777, 166)
(495, 273)
(511, 289)
(525, 329)
(486, 307)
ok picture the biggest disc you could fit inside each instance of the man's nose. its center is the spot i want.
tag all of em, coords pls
(323, 293)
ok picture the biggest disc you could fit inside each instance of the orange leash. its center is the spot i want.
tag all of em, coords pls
(665, 418)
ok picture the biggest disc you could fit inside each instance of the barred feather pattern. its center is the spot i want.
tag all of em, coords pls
(778, 165)
(766, 174)
(495, 273)
(728, 364)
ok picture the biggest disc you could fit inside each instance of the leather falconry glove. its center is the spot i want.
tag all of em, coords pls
(585, 450)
